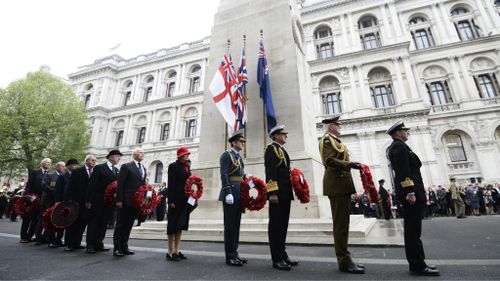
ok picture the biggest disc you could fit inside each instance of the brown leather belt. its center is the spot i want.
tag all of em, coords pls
(236, 178)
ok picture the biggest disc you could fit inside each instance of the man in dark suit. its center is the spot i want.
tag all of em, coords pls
(34, 185)
(232, 173)
(280, 195)
(338, 186)
(99, 214)
(61, 186)
(76, 192)
(384, 197)
(131, 176)
(410, 191)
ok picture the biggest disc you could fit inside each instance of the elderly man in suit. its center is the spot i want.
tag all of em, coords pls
(99, 214)
(410, 191)
(131, 176)
(76, 192)
(231, 173)
(338, 186)
(34, 185)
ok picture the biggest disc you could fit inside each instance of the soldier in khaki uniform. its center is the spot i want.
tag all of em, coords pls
(338, 186)
(457, 200)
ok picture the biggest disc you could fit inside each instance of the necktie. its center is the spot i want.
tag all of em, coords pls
(114, 170)
(90, 172)
(140, 170)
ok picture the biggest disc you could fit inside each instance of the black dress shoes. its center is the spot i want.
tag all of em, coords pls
(426, 272)
(118, 253)
(282, 265)
(353, 268)
(68, 249)
(103, 249)
(128, 252)
(291, 262)
(234, 262)
(91, 251)
(24, 241)
(243, 260)
(172, 257)
(181, 256)
(53, 245)
(79, 247)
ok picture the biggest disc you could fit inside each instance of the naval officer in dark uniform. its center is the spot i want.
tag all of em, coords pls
(232, 173)
(280, 194)
(338, 186)
(410, 191)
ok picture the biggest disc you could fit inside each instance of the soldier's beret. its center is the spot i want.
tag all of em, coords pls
(396, 127)
(280, 129)
(237, 136)
(334, 119)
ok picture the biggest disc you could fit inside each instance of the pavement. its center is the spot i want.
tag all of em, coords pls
(466, 249)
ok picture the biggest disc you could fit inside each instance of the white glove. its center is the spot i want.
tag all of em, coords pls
(229, 199)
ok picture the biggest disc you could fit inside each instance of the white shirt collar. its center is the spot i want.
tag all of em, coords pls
(237, 152)
(109, 165)
(280, 145)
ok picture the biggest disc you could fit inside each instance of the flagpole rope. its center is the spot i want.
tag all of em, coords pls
(263, 106)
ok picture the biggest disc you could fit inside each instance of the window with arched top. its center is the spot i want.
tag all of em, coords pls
(485, 77)
(196, 69)
(190, 122)
(89, 87)
(330, 95)
(171, 77)
(194, 79)
(148, 88)
(119, 138)
(150, 79)
(455, 148)
(141, 134)
(421, 33)
(158, 172)
(127, 93)
(380, 83)
(465, 24)
(323, 41)
(369, 32)
(367, 22)
(439, 92)
(87, 100)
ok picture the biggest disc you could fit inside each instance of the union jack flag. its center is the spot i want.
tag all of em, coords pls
(241, 119)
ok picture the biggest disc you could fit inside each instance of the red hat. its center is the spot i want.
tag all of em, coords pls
(182, 151)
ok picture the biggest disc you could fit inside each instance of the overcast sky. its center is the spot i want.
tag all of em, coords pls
(66, 34)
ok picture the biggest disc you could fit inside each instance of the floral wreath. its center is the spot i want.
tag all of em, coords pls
(109, 194)
(64, 213)
(24, 206)
(188, 187)
(46, 220)
(300, 185)
(143, 205)
(368, 185)
(251, 203)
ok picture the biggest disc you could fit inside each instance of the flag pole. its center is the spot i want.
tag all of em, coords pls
(225, 123)
(263, 104)
(245, 98)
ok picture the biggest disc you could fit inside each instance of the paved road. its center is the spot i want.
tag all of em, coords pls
(463, 249)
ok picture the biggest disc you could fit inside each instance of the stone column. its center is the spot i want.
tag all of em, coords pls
(483, 16)
(387, 34)
(136, 95)
(395, 20)
(203, 73)
(362, 95)
(438, 21)
(468, 80)
(151, 129)
(355, 43)
(460, 87)
(129, 131)
(487, 151)
(345, 41)
(353, 93)
(493, 16)
(180, 80)
(410, 78)
(178, 133)
(420, 85)
(449, 25)
(401, 89)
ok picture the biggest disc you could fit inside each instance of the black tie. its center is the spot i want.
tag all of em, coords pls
(114, 170)
(140, 170)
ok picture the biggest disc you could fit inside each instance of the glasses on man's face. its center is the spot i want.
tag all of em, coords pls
(242, 141)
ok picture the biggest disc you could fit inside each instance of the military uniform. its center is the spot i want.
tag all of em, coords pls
(277, 165)
(231, 172)
(457, 200)
(408, 180)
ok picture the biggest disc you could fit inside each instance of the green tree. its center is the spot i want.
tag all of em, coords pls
(40, 116)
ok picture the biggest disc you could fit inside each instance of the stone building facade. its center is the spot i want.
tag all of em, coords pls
(435, 64)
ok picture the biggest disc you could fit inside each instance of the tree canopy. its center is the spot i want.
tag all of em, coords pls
(40, 116)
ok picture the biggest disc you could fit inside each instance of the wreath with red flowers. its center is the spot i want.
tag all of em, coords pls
(300, 186)
(251, 203)
(47, 221)
(142, 203)
(109, 194)
(368, 185)
(188, 187)
(27, 204)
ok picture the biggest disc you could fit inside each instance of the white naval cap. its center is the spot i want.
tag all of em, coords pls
(279, 129)
(399, 125)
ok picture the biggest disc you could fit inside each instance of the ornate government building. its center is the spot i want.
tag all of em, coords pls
(435, 64)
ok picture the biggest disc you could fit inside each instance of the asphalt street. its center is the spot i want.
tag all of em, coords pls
(466, 249)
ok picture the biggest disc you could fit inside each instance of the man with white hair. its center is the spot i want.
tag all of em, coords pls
(131, 176)
(76, 192)
(34, 186)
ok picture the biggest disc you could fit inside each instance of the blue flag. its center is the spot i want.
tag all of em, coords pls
(265, 87)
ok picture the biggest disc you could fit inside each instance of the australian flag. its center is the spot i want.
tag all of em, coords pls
(265, 87)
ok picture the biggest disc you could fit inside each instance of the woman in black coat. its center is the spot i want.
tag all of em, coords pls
(178, 208)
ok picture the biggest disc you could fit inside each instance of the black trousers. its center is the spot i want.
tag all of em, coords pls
(232, 220)
(74, 233)
(124, 222)
(41, 235)
(279, 215)
(55, 237)
(28, 225)
(414, 248)
(97, 225)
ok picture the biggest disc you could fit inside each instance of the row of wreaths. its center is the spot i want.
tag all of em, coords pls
(146, 199)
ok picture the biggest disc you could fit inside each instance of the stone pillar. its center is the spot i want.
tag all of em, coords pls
(395, 20)
(399, 85)
(410, 78)
(353, 93)
(178, 133)
(459, 83)
(467, 79)
(362, 95)
(150, 130)
(448, 23)
(178, 80)
(439, 22)
(355, 43)
(129, 133)
(386, 28)
(345, 41)
(420, 85)
(493, 16)
(483, 16)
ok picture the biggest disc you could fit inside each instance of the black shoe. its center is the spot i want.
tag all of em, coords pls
(425, 272)
(242, 260)
(118, 253)
(360, 265)
(59, 244)
(52, 245)
(24, 241)
(80, 247)
(103, 249)
(68, 249)
(91, 251)
(128, 252)
(291, 262)
(282, 265)
(234, 262)
(181, 256)
(172, 257)
(353, 268)
(431, 266)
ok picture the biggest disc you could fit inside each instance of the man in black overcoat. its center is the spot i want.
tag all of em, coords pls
(34, 185)
(60, 191)
(280, 195)
(131, 176)
(410, 191)
(76, 192)
(384, 197)
(99, 214)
